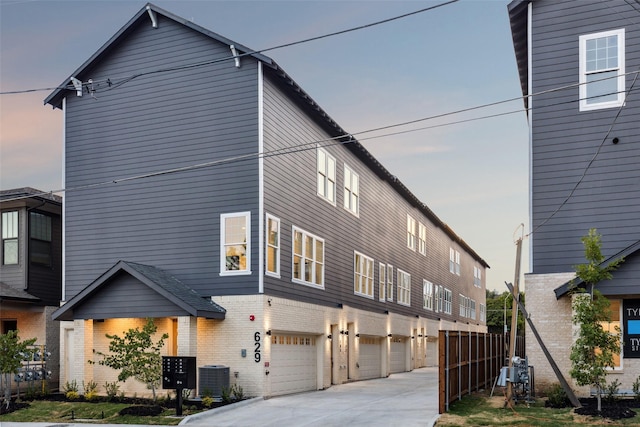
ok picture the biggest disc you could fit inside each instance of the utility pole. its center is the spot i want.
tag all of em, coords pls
(514, 318)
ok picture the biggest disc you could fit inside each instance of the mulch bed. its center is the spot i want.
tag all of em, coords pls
(613, 410)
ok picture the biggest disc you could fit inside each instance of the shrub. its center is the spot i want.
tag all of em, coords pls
(70, 390)
(90, 390)
(226, 394)
(557, 397)
(111, 389)
(207, 401)
(238, 392)
(72, 395)
(636, 388)
(611, 391)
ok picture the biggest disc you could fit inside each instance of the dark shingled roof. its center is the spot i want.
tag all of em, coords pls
(10, 293)
(159, 280)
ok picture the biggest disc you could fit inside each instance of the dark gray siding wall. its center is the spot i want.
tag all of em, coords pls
(159, 122)
(124, 293)
(565, 140)
(15, 275)
(45, 282)
(380, 232)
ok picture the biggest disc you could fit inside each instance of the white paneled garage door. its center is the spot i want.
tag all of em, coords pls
(370, 357)
(293, 364)
(398, 355)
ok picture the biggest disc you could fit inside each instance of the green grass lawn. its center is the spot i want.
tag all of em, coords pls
(481, 410)
(103, 412)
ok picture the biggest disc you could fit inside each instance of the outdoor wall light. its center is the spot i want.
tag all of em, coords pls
(329, 337)
(412, 337)
(342, 332)
(417, 316)
(346, 332)
(419, 335)
(357, 335)
(386, 312)
(268, 332)
(390, 335)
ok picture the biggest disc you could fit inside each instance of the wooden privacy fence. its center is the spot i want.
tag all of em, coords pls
(468, 361)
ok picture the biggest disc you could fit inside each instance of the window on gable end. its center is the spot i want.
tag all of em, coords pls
(602, 68)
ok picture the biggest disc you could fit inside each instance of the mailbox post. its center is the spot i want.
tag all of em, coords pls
(178, 373)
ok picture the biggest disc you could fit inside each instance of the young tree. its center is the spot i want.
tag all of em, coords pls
(12, 353)
(595, 347)
(135, 355)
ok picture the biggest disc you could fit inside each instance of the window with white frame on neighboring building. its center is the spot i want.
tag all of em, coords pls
(351, 191)
(389, 282)
(40, 239)
(10, 237)
(422, 239)
(448, 301)
(454, 261)
(273, 246)
(439, 298)
(404, 287)
(326, 165)
(235, 238)
(477, 276)
(362, 275)
(308, 258)
(427, 295)
(602, 69)
(483, 313)
(411, 233)
(463, 305)
(382, 281)
(472, 308)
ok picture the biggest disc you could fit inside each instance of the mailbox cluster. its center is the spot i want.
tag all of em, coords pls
(178, 372)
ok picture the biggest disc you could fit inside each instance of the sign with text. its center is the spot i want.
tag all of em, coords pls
(631, 322)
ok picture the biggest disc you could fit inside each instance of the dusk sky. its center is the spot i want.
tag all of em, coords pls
(471, 169)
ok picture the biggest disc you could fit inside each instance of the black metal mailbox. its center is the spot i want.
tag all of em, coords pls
(178, 372)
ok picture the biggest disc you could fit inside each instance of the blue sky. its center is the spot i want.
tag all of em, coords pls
(473, 175)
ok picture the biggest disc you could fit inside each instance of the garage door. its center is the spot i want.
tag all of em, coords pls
(293, 364)
(398, 355)
(370, 358)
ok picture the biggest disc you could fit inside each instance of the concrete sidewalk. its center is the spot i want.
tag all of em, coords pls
(406, 399)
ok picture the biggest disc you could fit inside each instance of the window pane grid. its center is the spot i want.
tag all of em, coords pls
(308, 258)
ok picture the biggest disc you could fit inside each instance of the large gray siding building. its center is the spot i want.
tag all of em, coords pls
(207, 190)
(578, 63)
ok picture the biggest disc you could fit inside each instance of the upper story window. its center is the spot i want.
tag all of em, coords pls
(389, 282)
(351, 191)
(235, 238)
(9, 237)
(273, 246)
(602, 82)
(483, 313)
(308, 258)
(427, 295)
(438, 298)
(477, 277)
(422, 239)
(382, 281)
(404, 288)
(454, 261)
(448, 301)
(326, 176)
(362, 275)
(411, 233)
(40, 238)
(463, 305)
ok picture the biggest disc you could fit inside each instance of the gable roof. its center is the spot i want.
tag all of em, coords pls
(332, 128)
(9, 293)
(519, 19)
(167, 286)
(571, 284)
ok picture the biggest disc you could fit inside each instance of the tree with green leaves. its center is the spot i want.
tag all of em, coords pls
(136, 355)
(12, 353)
(594, 349)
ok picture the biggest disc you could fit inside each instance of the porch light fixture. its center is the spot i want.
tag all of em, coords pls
(357, 335)
(268, 332)
(390, 335)
(329, 337)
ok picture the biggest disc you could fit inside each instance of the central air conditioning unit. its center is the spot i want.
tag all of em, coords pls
(212, 379)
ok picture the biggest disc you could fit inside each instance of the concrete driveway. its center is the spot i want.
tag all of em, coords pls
(406, 399)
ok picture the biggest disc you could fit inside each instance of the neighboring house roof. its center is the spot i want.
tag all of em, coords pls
(163, 284)
(519, 18)
(9, 293)
(29, 192)
(55, 99)
(577, 282)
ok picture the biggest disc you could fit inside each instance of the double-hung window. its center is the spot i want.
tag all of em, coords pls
(351, 191)
(326, 165)
(10, 237)
(362, 275)
(448, 301)
(477, 277)
(411, 233)
(389, 282)
(439, 298)
(483, 313)
(602, 82)
(404, 288)
(422, 239)
(427, 295)
(235, 238)
(463, 305)
(308, 258)
(472, 309)
(382, 281)
(40, 239)
(273, 246)
(454, 261)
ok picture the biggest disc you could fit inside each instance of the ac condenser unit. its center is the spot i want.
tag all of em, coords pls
(212, 379)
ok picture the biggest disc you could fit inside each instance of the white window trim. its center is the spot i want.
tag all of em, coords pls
(382, 282)
(223, 257)
(483, 313)
(621, 70)
(389, 282)
(404, 289)
(448, 301)
(427, 295)
(422, 239)
(366, 274)
(305, 233)
(411, 233)
(267, 245)
(349, 190)
(327, 178)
